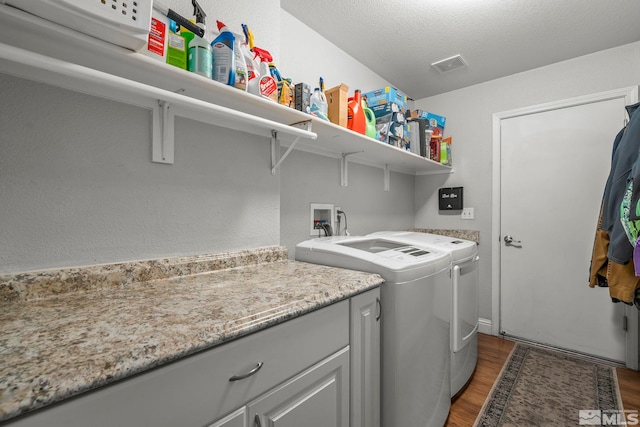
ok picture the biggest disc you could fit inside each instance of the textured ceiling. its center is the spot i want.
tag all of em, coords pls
(400, 40)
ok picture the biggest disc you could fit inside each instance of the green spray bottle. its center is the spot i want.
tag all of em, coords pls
(199, 53)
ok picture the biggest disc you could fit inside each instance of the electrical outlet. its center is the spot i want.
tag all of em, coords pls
(467, 213)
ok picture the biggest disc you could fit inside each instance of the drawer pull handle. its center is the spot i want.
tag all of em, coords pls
(257, 420)
(379, 307)
(248, 374)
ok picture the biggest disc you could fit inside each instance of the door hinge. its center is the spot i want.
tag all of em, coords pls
(625, 323)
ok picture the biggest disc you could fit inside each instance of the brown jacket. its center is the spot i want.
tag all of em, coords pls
(620, 278)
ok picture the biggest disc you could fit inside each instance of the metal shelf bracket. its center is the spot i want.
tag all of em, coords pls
(344, 168)
(386, 178)
(275, 146)
(163, 133)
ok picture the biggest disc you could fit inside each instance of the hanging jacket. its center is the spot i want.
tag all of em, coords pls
(612, 250)
(625, 157)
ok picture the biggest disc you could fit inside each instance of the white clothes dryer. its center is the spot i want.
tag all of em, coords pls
(415, 378)
(464, 298)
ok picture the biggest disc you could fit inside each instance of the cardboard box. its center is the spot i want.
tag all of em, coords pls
(337, 98)
(436, 122)
(390, 129)
(386, 95)
(386, 109)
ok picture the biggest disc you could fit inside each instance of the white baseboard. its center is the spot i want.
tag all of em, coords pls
(484, 326)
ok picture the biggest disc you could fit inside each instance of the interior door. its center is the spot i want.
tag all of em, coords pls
(554, 164)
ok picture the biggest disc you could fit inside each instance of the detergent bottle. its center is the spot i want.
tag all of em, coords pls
(356, 120)
(224, 60)
(370, 120)
(199, 52)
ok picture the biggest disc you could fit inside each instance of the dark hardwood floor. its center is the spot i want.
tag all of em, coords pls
(492, 354)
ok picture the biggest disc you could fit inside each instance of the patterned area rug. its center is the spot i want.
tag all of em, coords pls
(539, 387)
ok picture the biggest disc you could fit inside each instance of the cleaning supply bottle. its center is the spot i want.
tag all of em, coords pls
(268, 86)
(253, 74)
(199, 53)
(241, 78)
(224, 60)
(370, 119)
(355, 115)
(319, 106)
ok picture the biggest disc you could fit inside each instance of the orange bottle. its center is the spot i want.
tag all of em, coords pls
(356, 120)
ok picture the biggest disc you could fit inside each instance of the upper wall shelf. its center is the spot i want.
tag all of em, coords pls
(33, 34)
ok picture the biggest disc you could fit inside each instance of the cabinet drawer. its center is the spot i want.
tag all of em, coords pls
(196, 390)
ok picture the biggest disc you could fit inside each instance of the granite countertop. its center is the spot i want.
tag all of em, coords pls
(73, 330)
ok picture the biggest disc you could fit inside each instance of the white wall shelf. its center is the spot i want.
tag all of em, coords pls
(79, 61)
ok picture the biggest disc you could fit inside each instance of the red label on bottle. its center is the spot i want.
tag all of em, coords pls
(156, 37)
(269, 87)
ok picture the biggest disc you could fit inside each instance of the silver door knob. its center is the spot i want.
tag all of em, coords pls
(508, 240)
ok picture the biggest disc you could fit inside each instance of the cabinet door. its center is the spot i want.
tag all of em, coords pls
(235, 419)
(365, 359)
(318, 397)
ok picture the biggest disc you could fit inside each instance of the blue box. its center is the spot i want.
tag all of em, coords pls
(435, 121)
(386, 95)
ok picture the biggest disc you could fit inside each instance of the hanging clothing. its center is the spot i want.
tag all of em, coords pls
(625, 156)
(613, 249)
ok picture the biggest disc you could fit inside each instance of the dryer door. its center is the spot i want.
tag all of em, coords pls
(464, 307)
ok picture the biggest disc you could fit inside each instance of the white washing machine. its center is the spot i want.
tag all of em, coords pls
(464, 295)
(415, 299)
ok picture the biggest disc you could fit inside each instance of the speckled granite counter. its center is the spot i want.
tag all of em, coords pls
(471, 235)
(69, 331)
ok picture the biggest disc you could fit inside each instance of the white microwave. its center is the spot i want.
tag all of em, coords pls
(125, 23)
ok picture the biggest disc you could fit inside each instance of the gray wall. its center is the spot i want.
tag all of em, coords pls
(469, 113)
(78, 187)
(308, 178)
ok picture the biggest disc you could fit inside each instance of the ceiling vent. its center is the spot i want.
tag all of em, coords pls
(449, 64)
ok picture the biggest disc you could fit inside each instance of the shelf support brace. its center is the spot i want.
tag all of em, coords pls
(163, 133)
(386, 178)
(344, 168)
(275, 146)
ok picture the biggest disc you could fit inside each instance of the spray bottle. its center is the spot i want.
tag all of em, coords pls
(253, 73)
(268, 86)
(242, 74)
(199, 53)
(224, 60)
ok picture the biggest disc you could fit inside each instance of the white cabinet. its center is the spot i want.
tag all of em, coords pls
(198, 389)
(234, 419)
(366, 313)
(318, 397)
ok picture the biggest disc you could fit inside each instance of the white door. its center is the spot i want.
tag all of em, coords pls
(554, 164)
